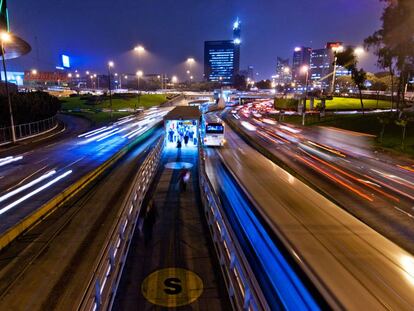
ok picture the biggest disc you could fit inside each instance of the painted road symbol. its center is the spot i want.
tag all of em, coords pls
(172, 287)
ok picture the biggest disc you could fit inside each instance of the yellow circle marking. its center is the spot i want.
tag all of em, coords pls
(172, 287)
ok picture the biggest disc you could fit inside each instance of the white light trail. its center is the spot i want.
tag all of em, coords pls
(9, 160)
(26, 186)
(29, 195)
(93, 132)
(112, 134)
(94, 138)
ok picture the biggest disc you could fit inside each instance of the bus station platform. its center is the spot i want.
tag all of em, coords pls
(171, 262)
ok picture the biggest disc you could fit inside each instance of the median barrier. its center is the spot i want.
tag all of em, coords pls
(243, 288)
(107, 271)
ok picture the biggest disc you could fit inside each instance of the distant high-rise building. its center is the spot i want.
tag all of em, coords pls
(237, 43)
(219, 61)
(222, 58)
(321, 66)
(283, 72)
(248, 73)
(301, 57)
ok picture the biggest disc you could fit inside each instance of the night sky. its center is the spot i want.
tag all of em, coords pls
(95, 31)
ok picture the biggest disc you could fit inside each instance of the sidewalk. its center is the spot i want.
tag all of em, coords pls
(177, 239)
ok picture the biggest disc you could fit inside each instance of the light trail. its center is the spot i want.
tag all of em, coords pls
(361, 194)
(26, 186)
(112, 134)
(95, 138)
(91, 133)
(29, 195)
(9, 160)
(364, 182)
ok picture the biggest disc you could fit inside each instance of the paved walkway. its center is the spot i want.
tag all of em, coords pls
(171, 262)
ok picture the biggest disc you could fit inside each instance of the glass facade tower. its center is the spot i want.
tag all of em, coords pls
(219, 61)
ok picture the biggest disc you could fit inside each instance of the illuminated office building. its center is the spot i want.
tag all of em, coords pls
(222, 58)
(301, 57)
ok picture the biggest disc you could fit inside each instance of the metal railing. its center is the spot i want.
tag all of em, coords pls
(27, 130)
(243, 288)
(108, 268)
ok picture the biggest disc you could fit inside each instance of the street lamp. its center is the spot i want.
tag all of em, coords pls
(34, 72)
(139, 75)
(174, 79)
(359, 51)
(305, 69)
(5, 38)
(139, 49)
(190, 61)
(335, 49)
(110, 65)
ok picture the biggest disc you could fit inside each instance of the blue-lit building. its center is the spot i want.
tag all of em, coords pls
(222, 58)
(301, 57)
(321, 65)
(219, 61)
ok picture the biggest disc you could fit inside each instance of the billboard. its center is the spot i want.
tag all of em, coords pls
(65, 61)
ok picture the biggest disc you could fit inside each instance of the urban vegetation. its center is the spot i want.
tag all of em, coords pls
(28, 107)
(119, 102)
(96, 108)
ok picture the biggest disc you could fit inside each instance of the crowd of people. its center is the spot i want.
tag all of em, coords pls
(182, 133)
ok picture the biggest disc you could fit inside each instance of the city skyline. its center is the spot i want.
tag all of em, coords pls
(88, 40)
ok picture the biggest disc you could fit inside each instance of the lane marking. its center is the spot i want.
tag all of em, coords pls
(172, 287)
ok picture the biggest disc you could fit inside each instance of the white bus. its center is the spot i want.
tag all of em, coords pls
(212, 130)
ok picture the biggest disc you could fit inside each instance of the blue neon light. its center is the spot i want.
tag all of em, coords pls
(283, 286)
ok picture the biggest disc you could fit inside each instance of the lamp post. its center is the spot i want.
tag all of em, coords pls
(190, 61)
(110, 65)
(305, 69)
(139, 75)
(174, 80)
(335, 51)
(139, 49)
(5, 38)
(120, 79)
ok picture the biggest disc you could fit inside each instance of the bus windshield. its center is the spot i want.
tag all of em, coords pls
(214, 128)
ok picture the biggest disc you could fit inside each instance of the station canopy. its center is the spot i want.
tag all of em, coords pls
(184, 113)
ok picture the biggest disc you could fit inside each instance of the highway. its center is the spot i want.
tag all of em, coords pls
(30, 179)
(49, 267)
(377, 189)
(351, 265)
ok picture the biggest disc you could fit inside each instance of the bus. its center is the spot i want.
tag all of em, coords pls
(212, 130)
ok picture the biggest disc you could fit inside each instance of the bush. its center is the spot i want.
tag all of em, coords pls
(286, 103)
(28, 107)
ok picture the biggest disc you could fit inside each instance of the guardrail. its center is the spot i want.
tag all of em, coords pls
(108, 267)
(243, 288)
(27, 130)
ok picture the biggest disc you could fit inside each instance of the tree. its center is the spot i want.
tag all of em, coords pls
(348, 60)
(240, 82)
(344, 83)
(394, 43)
(264, 84)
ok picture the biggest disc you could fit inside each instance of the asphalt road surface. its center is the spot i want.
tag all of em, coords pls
(351, 265)
(29, 180)
(374, 187)
(49, 267)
